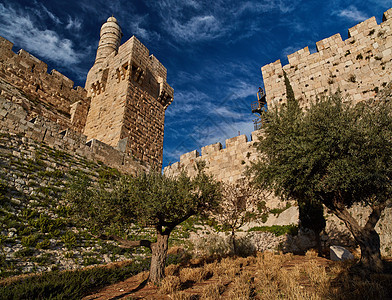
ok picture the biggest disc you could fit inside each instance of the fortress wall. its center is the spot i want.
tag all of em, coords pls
(225, 164)
(15, 120)
(52, 92)
(359, 66)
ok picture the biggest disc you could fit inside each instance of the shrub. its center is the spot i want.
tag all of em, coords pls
(30, 240)
(277, 229)
(70, 284)
(69, 239)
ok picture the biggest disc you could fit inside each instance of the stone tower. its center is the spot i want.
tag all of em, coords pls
(110, 38)
(129, 96)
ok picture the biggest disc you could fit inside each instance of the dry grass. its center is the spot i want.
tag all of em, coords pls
(195, 274)
(213, 291)
(169, 285)
(272, 276)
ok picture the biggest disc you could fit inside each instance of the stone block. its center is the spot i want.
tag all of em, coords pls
(338, 253)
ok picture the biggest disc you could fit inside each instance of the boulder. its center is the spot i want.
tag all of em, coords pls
(338, 253)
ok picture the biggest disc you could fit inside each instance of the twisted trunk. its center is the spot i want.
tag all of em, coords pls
(366, 237)
(158, 256)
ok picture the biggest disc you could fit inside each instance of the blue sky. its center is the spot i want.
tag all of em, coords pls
(213, 50)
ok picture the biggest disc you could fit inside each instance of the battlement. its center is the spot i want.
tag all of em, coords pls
(52, 92)
(226, 164)
(358, 66)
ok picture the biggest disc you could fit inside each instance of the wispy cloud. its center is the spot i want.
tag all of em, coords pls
(351, 13)
(197, 28)
(73, 24)
(187, 101)
(138, 25)
(43, 10)
(30, 34)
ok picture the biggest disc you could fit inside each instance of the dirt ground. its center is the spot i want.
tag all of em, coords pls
(129, 289)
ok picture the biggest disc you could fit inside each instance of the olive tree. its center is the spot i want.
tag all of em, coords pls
(237, 208)
(335, 153)
(152, 200)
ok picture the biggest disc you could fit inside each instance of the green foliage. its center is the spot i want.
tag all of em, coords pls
(70, 284)
(332, 149)
(30, 240)
(278, 230)
(69, 239)
(24, 252)
(148, 199)
(334, 153)
(45, 244)
(278, 211)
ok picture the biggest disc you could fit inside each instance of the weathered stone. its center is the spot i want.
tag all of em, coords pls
(338, 253)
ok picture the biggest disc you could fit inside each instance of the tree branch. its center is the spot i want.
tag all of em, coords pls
(343, 214)
(127, 244)
(375, 215)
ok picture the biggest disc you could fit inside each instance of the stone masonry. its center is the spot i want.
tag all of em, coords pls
(359, 66)
(129, 96)
(123, 105)
(226, 164)
(53, 95)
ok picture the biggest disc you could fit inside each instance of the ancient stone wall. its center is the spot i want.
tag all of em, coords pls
(14, 119)
(129, 96)
(52, 95)
(359, 66)
(225, 164)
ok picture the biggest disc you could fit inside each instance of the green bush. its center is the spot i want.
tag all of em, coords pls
(69, 239)
(278, 211)
(70, 284)
(277, 230)
(45, 244)
(25, 252)
(30, 240)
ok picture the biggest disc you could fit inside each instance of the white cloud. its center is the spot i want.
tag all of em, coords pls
(22, 29)
(138, 28)
(42, 8)
(73, 24)
(197, 28)
(187, 101)
(351, 13)
(243, 89)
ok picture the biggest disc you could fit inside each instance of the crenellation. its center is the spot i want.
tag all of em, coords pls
(225, 164)
(54, 92)
(235, 141)
(211, 149)
(355, 66)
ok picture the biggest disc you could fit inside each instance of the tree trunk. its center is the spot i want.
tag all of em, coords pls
(367, 237)
(234, 242)
(318, 242)
(158, 257)
(369, 242)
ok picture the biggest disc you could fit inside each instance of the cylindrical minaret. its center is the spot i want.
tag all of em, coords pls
(110, 39)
